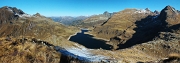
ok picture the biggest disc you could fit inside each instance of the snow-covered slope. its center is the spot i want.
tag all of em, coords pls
(82, 53)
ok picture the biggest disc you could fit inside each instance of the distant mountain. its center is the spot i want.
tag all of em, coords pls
(68, 20)
(94, 20)
(84, 21)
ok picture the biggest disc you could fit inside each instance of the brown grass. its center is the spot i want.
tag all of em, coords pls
(38, 27)
(18, 51)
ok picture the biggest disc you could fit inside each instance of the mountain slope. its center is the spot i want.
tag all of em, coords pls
(31, 38)
(142, 36)
(122, 25)
(128, 27)
(35, 26)
(137, 35)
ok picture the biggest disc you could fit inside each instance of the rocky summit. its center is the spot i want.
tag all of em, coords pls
(127, 36)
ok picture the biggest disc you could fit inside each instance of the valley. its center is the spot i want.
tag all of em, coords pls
(143, 39)
(127, 36)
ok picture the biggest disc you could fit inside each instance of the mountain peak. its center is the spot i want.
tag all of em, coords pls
(147, 9)
(37, 14)
(156, 12)
(13, 10)
(170, 9)
(170, 15)
(7, 14)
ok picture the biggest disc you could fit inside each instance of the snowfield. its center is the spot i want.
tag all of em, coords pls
(82, 53)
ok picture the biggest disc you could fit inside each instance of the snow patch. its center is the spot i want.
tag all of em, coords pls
(26, 15)
(82, 53)
(10, 10)
(142, 11)
(23, 15)
(85, 53)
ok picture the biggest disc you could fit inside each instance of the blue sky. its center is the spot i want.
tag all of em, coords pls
(85, 7)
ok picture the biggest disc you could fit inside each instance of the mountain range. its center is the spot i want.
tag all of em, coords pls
(136, 36)
(83, 21)
(68, 20)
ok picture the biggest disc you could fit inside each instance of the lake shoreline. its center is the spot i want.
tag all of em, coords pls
(97, 37)
(73, 35)
(88, 34)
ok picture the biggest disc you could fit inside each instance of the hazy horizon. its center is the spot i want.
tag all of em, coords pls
(85, 7)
